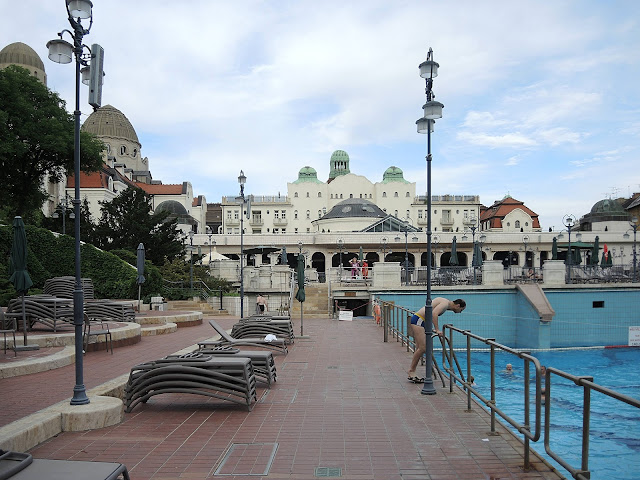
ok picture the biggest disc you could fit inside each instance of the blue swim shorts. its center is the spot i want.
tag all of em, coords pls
(417, 320)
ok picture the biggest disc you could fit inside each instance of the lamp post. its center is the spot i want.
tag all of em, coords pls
(432, 111)
(435, 239)
(242, 180)
(340, 248)
(64, 206)
(61, 51)
(634, 226)
(209, 234)
(406, 254)
(525, 242)
(569, 221)
(191, 262)
(384, 248)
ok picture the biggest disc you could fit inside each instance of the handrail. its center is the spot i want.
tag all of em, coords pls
(390, 321)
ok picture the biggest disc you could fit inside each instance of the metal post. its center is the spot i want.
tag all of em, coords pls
(242, 253)
(191, 263)
(406, 256)
(79, 392)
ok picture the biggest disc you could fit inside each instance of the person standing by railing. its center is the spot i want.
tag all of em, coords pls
(439, 305)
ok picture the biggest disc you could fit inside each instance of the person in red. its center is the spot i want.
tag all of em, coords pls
(365, 269)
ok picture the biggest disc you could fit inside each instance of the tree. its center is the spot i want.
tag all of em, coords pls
(128, 220)
(36, 139)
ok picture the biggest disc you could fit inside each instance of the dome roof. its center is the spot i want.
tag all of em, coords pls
(340, 155)
(20, 54)
(108, 121)
(393, 174)
(608, 206)
(172, 206)
(24, 56)
(355, 207)
(307, 174)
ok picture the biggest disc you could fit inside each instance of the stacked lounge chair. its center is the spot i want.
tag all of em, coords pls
(260, 326)
(277, 344)
(63, 287)
(229, 378)
(264, 366)
(45, 309)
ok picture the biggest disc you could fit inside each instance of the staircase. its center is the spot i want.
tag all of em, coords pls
(316, 304)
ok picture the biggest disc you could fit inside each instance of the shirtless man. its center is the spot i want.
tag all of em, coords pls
(261, 303)
(439, 305)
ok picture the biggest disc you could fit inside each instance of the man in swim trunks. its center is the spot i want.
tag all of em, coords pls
(261, 302)
(439, 305)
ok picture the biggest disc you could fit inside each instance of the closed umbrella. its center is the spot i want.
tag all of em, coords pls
(360, 255)
(595, 252)
(603, 262)
(577, 257)
(140, 266)
(300, 295)
(477, 255)
(453, 261)
(18, 269)
(554, 249)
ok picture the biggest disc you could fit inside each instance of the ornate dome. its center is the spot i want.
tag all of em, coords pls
(307, 174)
(355, 207)
(108, 121)
(340, 155)
(172, 206)
(393, 174)
(23, 55)
(608, 206)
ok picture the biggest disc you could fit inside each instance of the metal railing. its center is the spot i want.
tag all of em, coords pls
(200, 289)
(394, 321)
(598, 274)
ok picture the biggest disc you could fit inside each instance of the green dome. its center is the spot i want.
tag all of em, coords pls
(307, 174)
(393, 174)
(340, 155)
(338, 164)
(608, 206)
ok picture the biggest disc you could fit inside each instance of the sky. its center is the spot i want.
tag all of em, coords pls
(541, 98)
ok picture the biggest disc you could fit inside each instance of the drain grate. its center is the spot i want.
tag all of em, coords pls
(247, 459)
(326, 472)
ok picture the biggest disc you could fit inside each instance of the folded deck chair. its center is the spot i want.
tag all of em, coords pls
(279, 344)
(260, 328)
(22, 466)
(227, 378)
(264, 366)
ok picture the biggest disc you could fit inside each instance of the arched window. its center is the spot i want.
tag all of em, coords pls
(384, 194)
(407, 195)
(319, 213)
(517, 223)
(308, 214)
(319, 194)
(295, 214)
(395, 195)
(123, 150)
(295, 195)
(307, 194)
(351, 195)
(340, 195)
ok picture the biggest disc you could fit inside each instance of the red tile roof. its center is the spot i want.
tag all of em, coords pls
(501, 208)
(159, 189)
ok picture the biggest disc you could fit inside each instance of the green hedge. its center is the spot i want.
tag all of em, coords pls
(49, 256)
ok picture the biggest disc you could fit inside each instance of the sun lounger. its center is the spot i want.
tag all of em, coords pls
(279, 344)
(45, 309)
(257, 327)
(227, 378)
(264, 366)
(22, 466)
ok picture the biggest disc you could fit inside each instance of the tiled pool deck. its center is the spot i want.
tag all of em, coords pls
(341, 408)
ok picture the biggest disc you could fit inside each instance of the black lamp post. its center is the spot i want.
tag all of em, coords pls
(61, 51)
(64, 206)
(191, 262)
(634, 226)
(432, 111)
(406, 254)
(569, 221)
(242, 180)
(209, 234)
(340, 248)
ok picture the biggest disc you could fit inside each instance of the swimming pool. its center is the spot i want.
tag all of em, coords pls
(615, 426)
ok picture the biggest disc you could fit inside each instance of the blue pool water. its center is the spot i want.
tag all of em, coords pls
(615, 426)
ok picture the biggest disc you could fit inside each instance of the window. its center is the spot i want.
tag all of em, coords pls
(284, 230)
(435, 212)
(419, 213)
(319, 213)
(276, 214)
(384, 194)
(229, 231)
(135, 152)
(395, 213)
(123, 150)
(308, 230)
(228, 214)
(319, 194)
(340, 196)
(295, 195)
(276, 230)
(332, 195)
(395, 194)
(465, 214)
(407, 195)
(360, 195)
(351, 195)
(307, 194)
(408, 214)
(295, 230)
(236, 214)
(108, 148)
(308, 214)
(284, 214)
(517, 223)
(295, 214)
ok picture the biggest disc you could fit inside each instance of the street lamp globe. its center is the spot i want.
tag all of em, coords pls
(79, 8)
